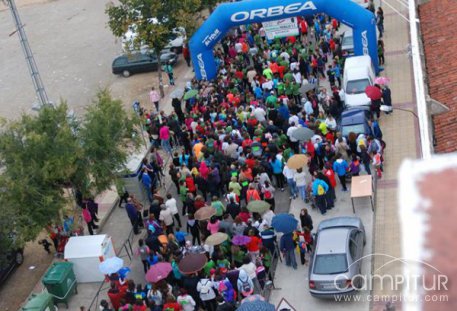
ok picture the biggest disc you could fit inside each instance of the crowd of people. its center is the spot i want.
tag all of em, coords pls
(229, 141)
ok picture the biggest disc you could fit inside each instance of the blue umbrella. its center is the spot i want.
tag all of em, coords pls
(284, 223)
(256, 305)
(123, 272)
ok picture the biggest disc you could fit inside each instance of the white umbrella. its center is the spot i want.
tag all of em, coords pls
(177, 93)
(111, 265)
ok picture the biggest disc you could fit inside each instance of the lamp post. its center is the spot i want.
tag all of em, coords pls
(33, 69)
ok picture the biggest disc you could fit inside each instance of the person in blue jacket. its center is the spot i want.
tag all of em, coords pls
(277, 166)
(340, 167)
(320, 188)
(375, 130)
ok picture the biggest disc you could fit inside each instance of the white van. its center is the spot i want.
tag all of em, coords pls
(358, 74)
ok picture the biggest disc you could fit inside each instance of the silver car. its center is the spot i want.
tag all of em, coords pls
(336, 257)
(347, 43)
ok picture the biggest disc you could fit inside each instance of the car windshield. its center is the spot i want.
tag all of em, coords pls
(356, 128)
(330, 264)
(357, 86)
(347, 40)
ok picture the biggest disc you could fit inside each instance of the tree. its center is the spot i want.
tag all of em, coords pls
(153, 21)
(209, 4)
(106, 137)
(44, 154)
(39, 155)
(189, 16)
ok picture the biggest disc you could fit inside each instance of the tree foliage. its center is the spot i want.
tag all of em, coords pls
(189, 16)
(105, 138)
(43, 154)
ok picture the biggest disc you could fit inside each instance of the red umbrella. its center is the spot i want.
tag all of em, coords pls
(158, 272)
(373, 92)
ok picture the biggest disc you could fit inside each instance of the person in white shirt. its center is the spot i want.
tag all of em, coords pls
(260, 114)
(267, 85)
(294, 65)
(308, 107)
(293, 141)
(166, 216)
(238, 47)
(297, 76)
(300, 181)
(330, 122)
(207, 294)
(289, 174)
(293, 119)
(284, 55)
(171, 204)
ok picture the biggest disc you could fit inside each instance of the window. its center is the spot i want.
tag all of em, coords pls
(353, 248)
(356, 128)
(120, 61)
(330, 264)
(357, 86)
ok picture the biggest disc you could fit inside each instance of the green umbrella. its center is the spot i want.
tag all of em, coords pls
(190, 94)
(258, 206)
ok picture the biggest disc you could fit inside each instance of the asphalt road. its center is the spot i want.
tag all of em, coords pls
(73, 49)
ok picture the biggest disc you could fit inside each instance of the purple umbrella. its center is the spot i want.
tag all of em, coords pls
(241, 240)
(158, 272)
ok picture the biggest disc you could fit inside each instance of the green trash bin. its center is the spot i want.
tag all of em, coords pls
(60, 281)
(40, 302)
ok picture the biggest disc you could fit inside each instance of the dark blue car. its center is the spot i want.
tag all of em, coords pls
(355, 120)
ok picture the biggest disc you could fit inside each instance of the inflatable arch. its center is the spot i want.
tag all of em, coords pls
(228, 15)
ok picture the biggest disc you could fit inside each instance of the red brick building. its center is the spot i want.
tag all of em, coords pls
(438, 24)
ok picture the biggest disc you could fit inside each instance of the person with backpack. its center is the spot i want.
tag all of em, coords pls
(319, 189)
(205, 288)
(244, 284)
(268, 194)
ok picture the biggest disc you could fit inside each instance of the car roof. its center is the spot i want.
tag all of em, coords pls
(356, 73)
(332, 241)
(348, 33)
(338, 222)
(357, 61)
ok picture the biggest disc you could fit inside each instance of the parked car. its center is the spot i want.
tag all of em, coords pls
(175, 44)
(358, 74)
(128, 64)
(354, 120)
(347, 43)
(12, 260)
(362, 3)
(336, 257)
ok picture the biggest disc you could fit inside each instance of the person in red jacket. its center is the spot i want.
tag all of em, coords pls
(186, 54)
(115, 295)
(330, 174)
(190, 184)
(252, 194)
(253, 246)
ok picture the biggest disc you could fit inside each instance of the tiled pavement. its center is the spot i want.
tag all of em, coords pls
(400, 131)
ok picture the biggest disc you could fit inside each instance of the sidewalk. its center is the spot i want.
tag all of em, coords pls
(400, 131)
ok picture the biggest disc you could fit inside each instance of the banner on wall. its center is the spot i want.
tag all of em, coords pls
(281, 28)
